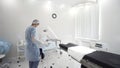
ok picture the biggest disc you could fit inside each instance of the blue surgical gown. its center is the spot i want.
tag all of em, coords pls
(32, 50)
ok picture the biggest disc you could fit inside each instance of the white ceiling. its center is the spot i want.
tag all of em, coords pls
(57, 2)
(66, 2)
(70, 2)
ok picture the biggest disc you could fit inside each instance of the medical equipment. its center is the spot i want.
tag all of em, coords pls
(52, 44)
(90, 58)
(2, 56)
(21, 50)
(4, 49)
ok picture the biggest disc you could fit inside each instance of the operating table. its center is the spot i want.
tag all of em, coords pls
(91, 58)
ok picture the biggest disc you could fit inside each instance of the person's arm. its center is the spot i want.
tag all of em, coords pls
(34, 40)
(44, 42)
(38, 41)
(43, 38)
(33, 34)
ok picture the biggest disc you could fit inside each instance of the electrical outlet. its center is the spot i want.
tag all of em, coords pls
(98, 45)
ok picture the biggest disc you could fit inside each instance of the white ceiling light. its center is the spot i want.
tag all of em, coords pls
(48, 5)
(49, 2)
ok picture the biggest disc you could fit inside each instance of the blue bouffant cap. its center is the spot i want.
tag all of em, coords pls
(35, 21)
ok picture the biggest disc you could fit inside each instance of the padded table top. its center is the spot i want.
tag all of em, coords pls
(66, 46)
(1, 56)
(76, 51)
(104, 59)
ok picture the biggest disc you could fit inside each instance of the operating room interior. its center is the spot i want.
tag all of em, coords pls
(83, 26)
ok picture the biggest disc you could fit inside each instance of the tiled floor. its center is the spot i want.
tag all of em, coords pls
(53, 59)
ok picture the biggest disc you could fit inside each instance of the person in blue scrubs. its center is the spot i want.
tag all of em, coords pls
(32, 49)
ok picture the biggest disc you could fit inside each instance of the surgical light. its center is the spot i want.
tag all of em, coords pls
(48, 5)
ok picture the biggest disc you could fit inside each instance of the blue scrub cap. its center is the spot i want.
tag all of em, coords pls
(35, 21)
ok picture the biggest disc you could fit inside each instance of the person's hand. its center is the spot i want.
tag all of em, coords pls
(45, 43)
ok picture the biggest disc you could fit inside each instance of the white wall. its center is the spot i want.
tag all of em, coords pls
(110, 24)
(0, 30)
(17, 15)
(0, 24)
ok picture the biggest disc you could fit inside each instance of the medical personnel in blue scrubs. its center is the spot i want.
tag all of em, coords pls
(32, 49)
